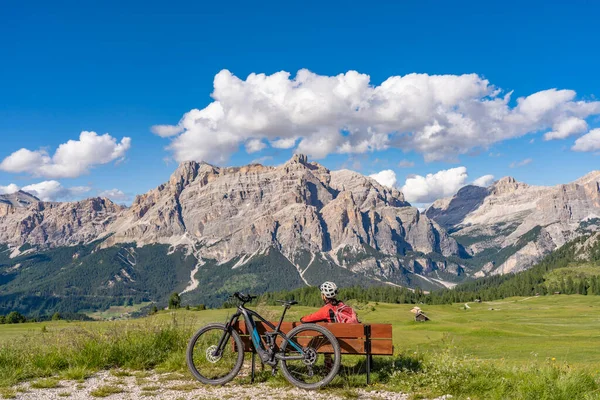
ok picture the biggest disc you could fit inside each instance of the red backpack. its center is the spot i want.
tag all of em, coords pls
(345, 314)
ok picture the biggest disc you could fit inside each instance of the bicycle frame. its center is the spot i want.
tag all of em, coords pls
(258, 345)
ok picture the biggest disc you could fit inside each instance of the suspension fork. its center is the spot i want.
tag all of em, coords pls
(226, 335)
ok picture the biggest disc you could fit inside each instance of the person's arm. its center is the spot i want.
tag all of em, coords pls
(320, 316)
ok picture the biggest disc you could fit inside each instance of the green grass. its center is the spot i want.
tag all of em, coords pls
(7, 393)
(45, 383)
(539, 347)
(105, 391)
(576, 272)
(117, 311)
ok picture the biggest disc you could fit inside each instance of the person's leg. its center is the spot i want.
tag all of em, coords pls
(328, 362)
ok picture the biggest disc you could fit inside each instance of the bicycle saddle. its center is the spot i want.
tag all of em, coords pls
(287, 302)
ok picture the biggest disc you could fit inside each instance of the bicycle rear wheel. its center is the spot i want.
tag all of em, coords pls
(322, 357)
(209, 366)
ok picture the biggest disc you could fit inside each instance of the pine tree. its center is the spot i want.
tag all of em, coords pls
(174, 301)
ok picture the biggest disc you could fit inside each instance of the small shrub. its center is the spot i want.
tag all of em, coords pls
(14, 317)
(174, 301)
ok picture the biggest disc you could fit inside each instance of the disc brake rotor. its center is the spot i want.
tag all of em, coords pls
(210, 354)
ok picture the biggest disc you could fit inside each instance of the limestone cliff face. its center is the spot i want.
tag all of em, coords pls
(222, 213)
(534, 219)
(49, 224)
(297, 206)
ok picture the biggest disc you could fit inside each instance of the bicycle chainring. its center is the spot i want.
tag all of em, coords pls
(310, 356)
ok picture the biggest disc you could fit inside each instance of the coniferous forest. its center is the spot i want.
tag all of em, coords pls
(539, 280)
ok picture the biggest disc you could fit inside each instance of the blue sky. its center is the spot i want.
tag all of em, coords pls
(122, 67)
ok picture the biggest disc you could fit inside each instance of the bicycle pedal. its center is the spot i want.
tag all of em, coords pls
(274, 371)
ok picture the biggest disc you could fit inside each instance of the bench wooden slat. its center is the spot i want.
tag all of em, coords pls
(338, 330)
(348, 346)
(381, 331)
(383, 347)
(351, 337)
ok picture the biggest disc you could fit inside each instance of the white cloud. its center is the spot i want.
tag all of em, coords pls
(426, 189)
(439, 116)
(588, 142)
(115, 195)
(386, 177)
(522, 163)
(406, 164)
(567, 127)
(71, 159)
(284, 143)
(166, 130)
(12, 188)
(484, 181)
(254, 145)
(54, 191)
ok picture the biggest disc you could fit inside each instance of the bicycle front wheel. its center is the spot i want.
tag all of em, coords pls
(321, 361)
(209, 365)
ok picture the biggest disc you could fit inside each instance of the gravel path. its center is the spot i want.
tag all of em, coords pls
(178, 387)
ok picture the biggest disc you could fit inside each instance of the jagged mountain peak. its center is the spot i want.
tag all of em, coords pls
(530, 220)
(299, 205)
(507, 184)
(593, 176)
(19, 199)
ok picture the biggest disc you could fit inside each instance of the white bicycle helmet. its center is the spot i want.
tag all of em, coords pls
(329, 290)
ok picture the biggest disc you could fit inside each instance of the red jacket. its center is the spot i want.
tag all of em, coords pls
(325, 314)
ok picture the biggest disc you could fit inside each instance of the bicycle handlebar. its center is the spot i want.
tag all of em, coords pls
(244, 298)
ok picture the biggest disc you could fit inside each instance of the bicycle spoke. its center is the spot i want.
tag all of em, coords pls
(318, 365)
(208, 360)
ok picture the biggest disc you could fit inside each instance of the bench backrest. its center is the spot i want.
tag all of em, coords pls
(353, 338)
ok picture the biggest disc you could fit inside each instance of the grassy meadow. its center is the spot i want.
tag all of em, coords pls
(522, 348)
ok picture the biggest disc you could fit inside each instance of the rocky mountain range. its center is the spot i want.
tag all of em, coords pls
(518, 222)
(212, 230)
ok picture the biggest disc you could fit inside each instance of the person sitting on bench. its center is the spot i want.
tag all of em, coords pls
(334, 310)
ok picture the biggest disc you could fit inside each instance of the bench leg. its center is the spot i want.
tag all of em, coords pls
(253, 365)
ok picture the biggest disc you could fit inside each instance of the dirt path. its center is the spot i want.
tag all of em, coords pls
(179, 387)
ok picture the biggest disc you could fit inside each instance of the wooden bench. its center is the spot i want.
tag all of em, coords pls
(358, 339)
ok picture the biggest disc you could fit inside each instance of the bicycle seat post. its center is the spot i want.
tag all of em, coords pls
(285, 308)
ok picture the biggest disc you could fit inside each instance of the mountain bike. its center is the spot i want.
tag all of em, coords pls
(309, 355)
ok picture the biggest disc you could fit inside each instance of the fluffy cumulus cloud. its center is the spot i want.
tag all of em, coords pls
(439, 116)
(588, 142)
(254, 145)
(565, 128)
(71, 159)
(115, 195)
(426, 189)
(386, 177)
(51, 191)
(9, 189)
(484, 181)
